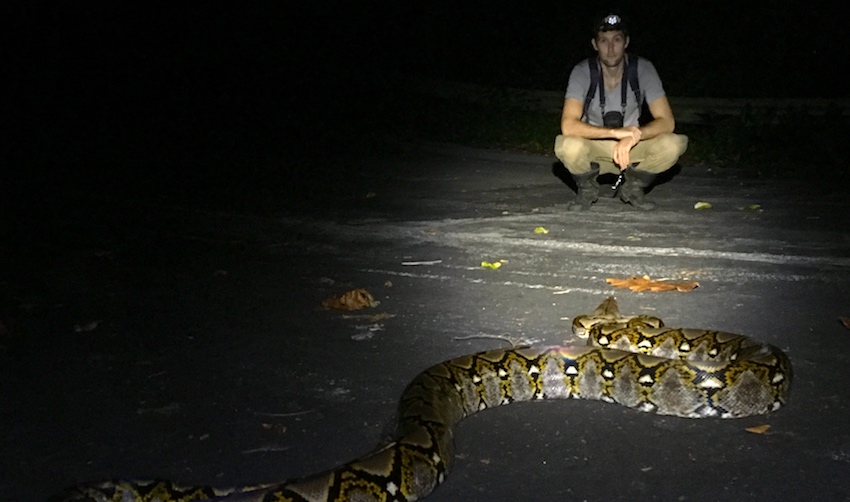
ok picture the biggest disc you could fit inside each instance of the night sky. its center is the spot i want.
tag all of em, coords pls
(702, 47)
(92, 84)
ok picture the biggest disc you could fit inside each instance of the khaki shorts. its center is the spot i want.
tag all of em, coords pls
(654, 155)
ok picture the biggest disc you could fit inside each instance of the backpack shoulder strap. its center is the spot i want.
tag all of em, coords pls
(632, 75)
(594, 83)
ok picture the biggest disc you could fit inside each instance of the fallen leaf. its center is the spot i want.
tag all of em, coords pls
(91, 326)
(388, 283)
(355, 299)
(702, 205)
(644, 283)
(845, 321)
(758, 429)
(541, 230)
(492, 266)
(276, 427)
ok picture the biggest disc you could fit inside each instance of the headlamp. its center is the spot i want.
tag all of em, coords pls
(611, 22)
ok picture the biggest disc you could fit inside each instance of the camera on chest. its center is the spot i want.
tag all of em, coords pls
(613, 120)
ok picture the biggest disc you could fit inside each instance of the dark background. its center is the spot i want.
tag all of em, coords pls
(112, 107)
(703, 48)
(156, 97)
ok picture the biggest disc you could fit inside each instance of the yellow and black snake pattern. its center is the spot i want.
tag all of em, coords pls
(631, 360)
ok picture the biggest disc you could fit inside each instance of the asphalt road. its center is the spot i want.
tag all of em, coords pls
(170, 340)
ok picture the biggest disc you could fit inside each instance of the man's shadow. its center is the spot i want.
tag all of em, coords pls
(607, 180)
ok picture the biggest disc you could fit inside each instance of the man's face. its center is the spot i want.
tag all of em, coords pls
(611, 46)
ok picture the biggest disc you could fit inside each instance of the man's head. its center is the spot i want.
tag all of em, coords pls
(611, 37)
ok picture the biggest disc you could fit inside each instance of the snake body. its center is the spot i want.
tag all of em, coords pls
(631, 360)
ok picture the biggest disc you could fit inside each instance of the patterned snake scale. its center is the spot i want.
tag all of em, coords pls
(631, 360)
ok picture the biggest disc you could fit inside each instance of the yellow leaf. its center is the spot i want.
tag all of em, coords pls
(758, 429)
(702, 205)
(492, 266)
(540, 230)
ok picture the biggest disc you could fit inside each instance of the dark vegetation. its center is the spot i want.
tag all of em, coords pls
(225, 102)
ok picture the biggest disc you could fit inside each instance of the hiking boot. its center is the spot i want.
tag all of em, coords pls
(632, 190)
(588, 190)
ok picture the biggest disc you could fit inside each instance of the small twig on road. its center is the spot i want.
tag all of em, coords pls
(264, 449)
(291, 414)
(516, 342)
(425, 262)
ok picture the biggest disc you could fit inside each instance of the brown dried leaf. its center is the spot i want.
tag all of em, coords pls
(758, 429)
(845, 321)
(276, 427)
(355, 299)
(644, 283)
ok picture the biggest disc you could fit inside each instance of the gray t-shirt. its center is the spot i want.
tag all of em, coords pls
(650, 89)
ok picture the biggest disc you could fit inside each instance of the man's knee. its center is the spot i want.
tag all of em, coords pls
(573, 152)
(669, 147)
(662, 152)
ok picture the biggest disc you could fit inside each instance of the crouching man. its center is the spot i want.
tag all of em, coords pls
(600, 131)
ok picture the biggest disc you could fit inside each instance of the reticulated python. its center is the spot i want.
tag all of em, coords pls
(634, 361)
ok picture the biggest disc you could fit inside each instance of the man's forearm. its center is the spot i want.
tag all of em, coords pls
(649, 130)
(585, 130)
(657, 127)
